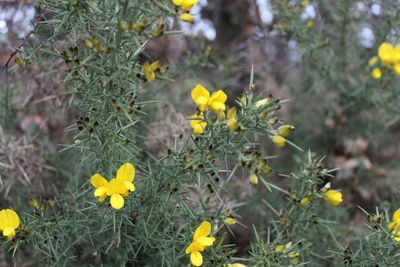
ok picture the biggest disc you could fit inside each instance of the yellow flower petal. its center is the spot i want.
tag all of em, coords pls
(216, 106)
(285, 130)
(9, 232)
(232, 125)
(396, 68)
(396, 54)
(3, 220)
(186, 17)
(200, 91)
(196, 258)
(99, 192)
(146, 67)
(262, 102)
(201, 101)
(205, 241)
(334, 197)
(188, 4)
(253, 179)
(230, 221)
(280, 248)
(126, 172)
(394, 226)
(8, 218)
(221, 115)
(231, 113)
(385, 52)
(373, 61)
(150, 76)
(219, 96)
(178, 2)
(194, 246)
(116, 187)
(148, 72)
(376, 73)
(305, 201)
(102, 198)
(117, 201)
(130, 186)
(279, 141)
(203, 230)
(98, 181)
(186, 7)
(198, 124)
(396, 215)
(155, 65)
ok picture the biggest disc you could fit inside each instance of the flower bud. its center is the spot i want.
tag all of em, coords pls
(253, 179)
(285, 130)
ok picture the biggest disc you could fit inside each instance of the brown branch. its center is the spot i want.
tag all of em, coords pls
(18, 48)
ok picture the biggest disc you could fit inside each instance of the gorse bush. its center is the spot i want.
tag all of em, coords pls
(134, 186)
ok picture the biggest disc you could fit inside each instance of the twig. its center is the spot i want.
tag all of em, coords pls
(18, 48)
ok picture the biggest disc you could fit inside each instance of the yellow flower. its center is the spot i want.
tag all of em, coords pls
(385, 52)
(232, 123)
(396, 68)
(262, 102)
(334, 197)
(285, 130)
(215, 102)
(186, 17)
(376, 73)
(149, 70)
(198, 124)
(253, 179)
(236, 265)
(9, 221)
(200, 242)
(117, 187)
(305, 201)
(230, 221)
(373, 61)
(279, 141)
(395, 225)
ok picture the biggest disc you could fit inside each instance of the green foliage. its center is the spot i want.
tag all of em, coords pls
(100, 50)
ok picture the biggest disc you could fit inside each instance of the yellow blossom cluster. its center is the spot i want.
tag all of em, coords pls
(116, 188)
(388, 58)
(9, 222)
(186, 6)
